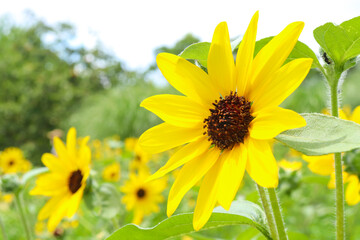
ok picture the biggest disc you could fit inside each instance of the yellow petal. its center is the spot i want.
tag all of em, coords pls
(58, 214)
(49, 207)
(275, 89)
(62, 154)
(232, 174)
(186, 78)
(207, 195)
(322, 165)
(176, 110)
(165, 136)
(261, 165)
(74, 202)
(50, 184)
(352, 196)
(221, 61)
(245, 55)
(272, 121)
(182, 156)
(71, 141)
(53, 163)
(190, 174)
(355, 117)
(138, 217)
(272, 55)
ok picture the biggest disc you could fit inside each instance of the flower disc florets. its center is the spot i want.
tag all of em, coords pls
(228, 123)
(75, 181)
(141, 193)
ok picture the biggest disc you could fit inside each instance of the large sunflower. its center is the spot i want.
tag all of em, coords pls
(227, 116)
(66, 180)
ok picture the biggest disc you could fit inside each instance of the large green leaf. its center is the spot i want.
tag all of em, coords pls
(323, 134)
(340, 42)
(301, 50)
(198, 52)
(241, 212)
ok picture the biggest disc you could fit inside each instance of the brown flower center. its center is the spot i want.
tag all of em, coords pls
(75, 181)
(228, 123)
(11, 162)
(140, 193)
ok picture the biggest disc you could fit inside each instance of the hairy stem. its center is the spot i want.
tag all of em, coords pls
(340, 213)
(268, 211)
(22, 216)
(277, 214)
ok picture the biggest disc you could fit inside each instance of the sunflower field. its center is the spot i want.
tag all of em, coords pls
(249, 139)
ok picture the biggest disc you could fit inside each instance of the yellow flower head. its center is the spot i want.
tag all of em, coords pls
(227, 116)
(141, 196)
(352, 193)
(65, 182)
(112, 172)
(290, 166)
(140, 160)
(323, 165)
(12, 161)
(130, 144)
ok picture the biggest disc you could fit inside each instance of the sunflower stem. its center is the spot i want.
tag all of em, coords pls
(277, 214)
(3, 232)
(340, 213)
(22, 215)
(268, 211)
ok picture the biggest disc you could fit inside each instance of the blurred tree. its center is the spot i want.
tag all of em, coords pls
(42, 78)
(179, 46)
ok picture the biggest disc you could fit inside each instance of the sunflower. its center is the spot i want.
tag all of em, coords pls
(12, 161)
(227, 117)
(112, 172)
(289, 165)
(141, 196)
(66, 180)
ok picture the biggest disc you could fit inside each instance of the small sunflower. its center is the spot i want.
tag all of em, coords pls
(228, 116)
(290, 165)
(12, 161)
(141, 196)
(140, 160)
(112, 172)
(66, 180)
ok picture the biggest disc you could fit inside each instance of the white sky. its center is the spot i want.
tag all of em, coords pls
(132, 29)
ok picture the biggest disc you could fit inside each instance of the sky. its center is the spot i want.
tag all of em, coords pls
(132, 29)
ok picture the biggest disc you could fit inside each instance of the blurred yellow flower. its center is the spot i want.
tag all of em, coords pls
(228, 116)
(130, 144)
(7, 198)
(112, 172)
(12, 161)
(290, 166)
(66, 180)
(39, 227)
(141, 196)
(140, 160)
(323, 165)
(352, 192)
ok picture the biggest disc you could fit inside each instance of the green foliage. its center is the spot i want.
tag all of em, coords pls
(322, 134)
(198, 52)
(41, 80)
(241, 212)
(340, 42)
(115, 111)
(301, 50)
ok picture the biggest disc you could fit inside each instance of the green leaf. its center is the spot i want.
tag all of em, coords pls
(340, 42)
(241, 212)
(323, 134)
(301, 50)
(198, 52)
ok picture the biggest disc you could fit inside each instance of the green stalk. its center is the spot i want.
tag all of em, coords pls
(22, 216)
(268, 211)
(340, 213)
(277, 214)
(3, 232)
